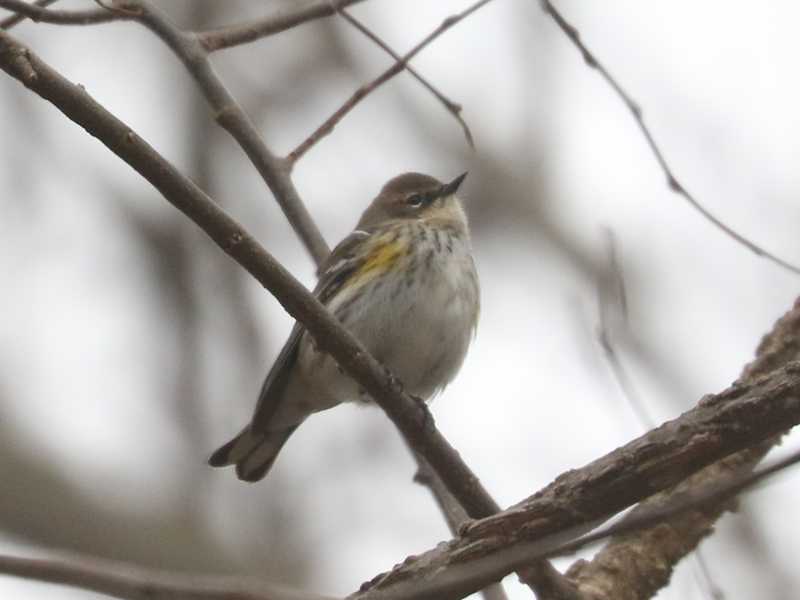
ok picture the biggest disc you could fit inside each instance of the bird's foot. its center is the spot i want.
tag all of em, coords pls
(426, 416)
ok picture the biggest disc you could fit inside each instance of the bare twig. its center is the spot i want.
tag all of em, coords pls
(124, 580)
(13, 20)
(452, 107)
(636, 111)
(370, 87)
(274, 170)
(38, 13)
(616, 289)
(281, 20)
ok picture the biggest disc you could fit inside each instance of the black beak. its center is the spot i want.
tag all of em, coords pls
(448, 189)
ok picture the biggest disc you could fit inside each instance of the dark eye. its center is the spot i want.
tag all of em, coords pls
(415, 200)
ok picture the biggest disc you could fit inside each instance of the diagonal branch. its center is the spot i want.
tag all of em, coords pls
(274, 171)
(468, 575)
(636, 565)
(412, 418)
(362, 92)
(409, 416)
(14, 20)
(452, 107)
(454, 513)
(38, 13)
(636, 111)
(745, 416)
(281, 20)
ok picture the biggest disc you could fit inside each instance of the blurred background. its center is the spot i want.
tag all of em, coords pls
(131, 346)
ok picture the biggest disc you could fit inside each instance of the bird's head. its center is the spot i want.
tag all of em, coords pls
(414, 197)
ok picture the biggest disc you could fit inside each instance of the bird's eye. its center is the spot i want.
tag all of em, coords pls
(415, 200)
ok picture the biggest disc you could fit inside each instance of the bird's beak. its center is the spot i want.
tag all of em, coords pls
(448, 189)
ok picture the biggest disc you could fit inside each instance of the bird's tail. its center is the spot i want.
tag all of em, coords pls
(252, 453)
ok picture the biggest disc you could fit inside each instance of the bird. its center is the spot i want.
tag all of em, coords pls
(404, 284)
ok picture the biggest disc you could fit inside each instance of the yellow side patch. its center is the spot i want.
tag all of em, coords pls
(379, 261)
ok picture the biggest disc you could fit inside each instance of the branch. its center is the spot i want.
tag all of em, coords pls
(635, 566)
(636, 111)
(16, 19)
(229, 115)
(37, 13)
(467, 575)
(454, 513)
(123, 580)
(280, 20)
(743, 416)
(362, 92)
(452, 107)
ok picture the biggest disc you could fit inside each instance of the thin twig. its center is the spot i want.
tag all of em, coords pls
(229, 114)
(604, 335)
(131, 582)
(370, 87)
(37, 13)
(281, 20)
(636, 111)
(13, 20)
(452, 107)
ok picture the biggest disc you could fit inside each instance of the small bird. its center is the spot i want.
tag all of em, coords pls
(403, 283)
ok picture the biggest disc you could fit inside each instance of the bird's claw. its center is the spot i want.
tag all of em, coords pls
(426, 416)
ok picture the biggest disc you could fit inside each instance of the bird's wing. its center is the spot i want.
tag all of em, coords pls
(345, 259)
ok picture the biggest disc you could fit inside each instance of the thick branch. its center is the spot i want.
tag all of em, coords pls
(743, 416)
(634, 566)
(460, 579)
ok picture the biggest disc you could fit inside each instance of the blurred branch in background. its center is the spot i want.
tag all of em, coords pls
(635, 109)
(366, 89)
(123, 580)
(452, 107)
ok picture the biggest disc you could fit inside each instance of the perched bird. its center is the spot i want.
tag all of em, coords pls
(404, 283)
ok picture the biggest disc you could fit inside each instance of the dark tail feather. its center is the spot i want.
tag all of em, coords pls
(253, 454)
